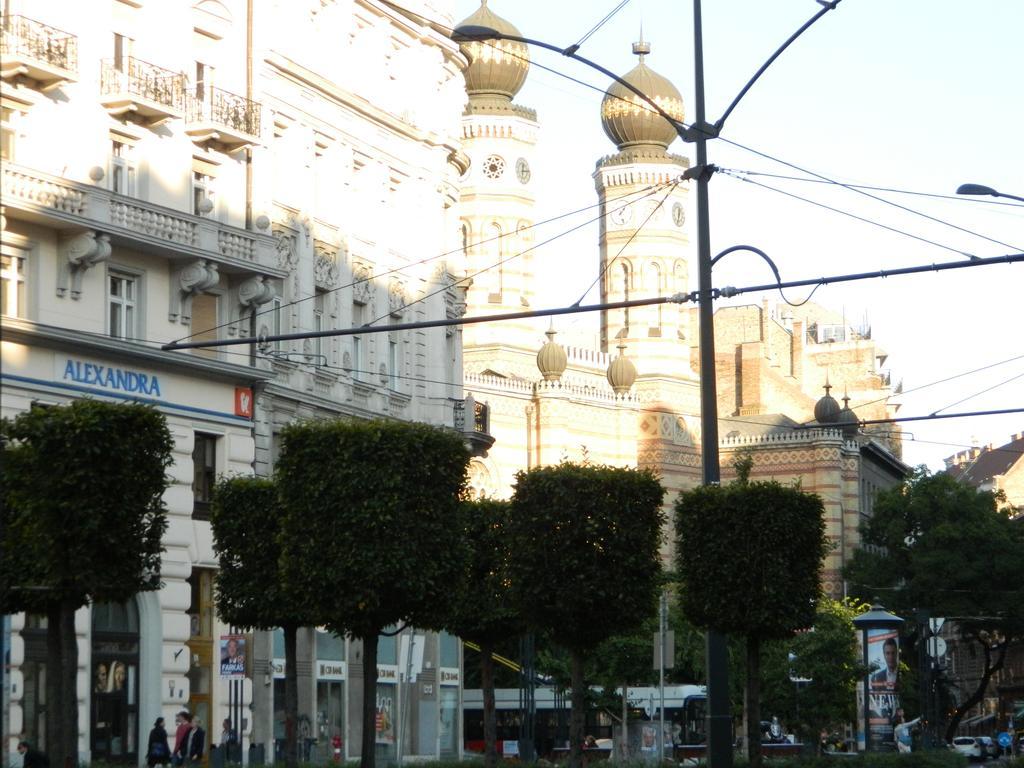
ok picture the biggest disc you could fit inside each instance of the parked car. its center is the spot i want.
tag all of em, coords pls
(989, 747)
(969, 747)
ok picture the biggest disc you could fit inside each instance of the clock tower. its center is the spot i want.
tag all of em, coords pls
(497, 196)
(643, 241)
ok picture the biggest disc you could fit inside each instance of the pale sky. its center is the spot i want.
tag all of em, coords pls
(916, 95)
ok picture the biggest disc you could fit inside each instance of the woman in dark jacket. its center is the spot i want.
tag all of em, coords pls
(158, 753)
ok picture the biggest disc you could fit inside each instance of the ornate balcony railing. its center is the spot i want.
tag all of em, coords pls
(26, 42)
(224, 116)
(34, 195)
(142, 87)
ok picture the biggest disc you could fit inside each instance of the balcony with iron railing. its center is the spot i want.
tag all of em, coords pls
(142, 90)
(224, 118)
(473, 420)
(37, 54)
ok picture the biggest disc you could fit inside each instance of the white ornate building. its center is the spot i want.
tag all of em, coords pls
(214, 169)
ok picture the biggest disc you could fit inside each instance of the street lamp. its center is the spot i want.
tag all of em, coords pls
(719, 731)
(981, 189)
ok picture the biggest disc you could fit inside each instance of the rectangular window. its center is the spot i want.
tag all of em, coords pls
(276, 324)
(206, 323)
(122, 167)
(204, 198)
(393, 372)
(122, 305)
(358, 352)
(122, 51)
(7, 133)
(12, 284)
(318, 325)
(204, 469)
(204, 80)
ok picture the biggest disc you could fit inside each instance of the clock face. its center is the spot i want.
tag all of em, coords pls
(622, 215)
(678, 215)
(522, 170)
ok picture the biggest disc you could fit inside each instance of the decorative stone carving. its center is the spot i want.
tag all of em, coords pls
(186, 283)
(325, 268)
(252, 293)
(287, 254)
(397, 299)
(78, 252)
(362, 284)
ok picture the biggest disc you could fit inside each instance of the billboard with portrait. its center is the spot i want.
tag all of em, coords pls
(232, 655)
(883, 685)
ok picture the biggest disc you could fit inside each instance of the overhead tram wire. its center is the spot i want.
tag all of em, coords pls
(642, 194)
(947, 379)
(507, 259)
(958, 198)
(677, 298)
(679, 124)
(855, 216)
(634, 233)
(978, 394)
(860, 191)
(576, 46)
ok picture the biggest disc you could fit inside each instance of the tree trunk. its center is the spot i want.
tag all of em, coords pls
(624, 745)
(291, 695)
(69, 685)
(577, 715)
(753, 695)
(979, 692)
(490, 720)
(54, 731)
(368, 756)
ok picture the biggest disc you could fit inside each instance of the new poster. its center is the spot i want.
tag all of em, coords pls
(883, 686)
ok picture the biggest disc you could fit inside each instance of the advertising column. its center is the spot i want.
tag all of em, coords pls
(878, 702)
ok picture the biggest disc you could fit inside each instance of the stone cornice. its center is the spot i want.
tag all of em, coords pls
(330, 90)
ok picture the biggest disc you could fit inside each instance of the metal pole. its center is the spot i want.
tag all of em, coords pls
(661, 671)
(719, 722)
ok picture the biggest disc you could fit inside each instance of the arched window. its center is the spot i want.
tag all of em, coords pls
(114, 722)
(495, 251)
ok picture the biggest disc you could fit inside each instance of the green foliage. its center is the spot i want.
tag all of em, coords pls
(934, 758)
(380, 499)
(940, 544)
(485, 612)
(246, 521)
(829, 657)
(749, 557)
(583, 550)
(82, 512)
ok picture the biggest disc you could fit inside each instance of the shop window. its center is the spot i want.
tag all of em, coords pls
(114, 725)
(204, 468)
(200, 645)
(122, 305)
(12, 282)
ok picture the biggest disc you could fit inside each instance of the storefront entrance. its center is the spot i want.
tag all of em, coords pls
(114, 727)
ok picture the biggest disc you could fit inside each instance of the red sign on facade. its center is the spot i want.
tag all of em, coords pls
(243, 402)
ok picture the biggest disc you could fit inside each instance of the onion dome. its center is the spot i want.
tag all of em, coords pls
(847, 419)
(551, 359)
(628, 120)
(497, 68)
(826, 410)
(621, 372)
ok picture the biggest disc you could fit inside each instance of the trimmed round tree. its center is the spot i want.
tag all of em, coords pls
(748, 558)
(246, 521)
(583, 560)
(82, 520)
(486, 613)
(382, 500)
